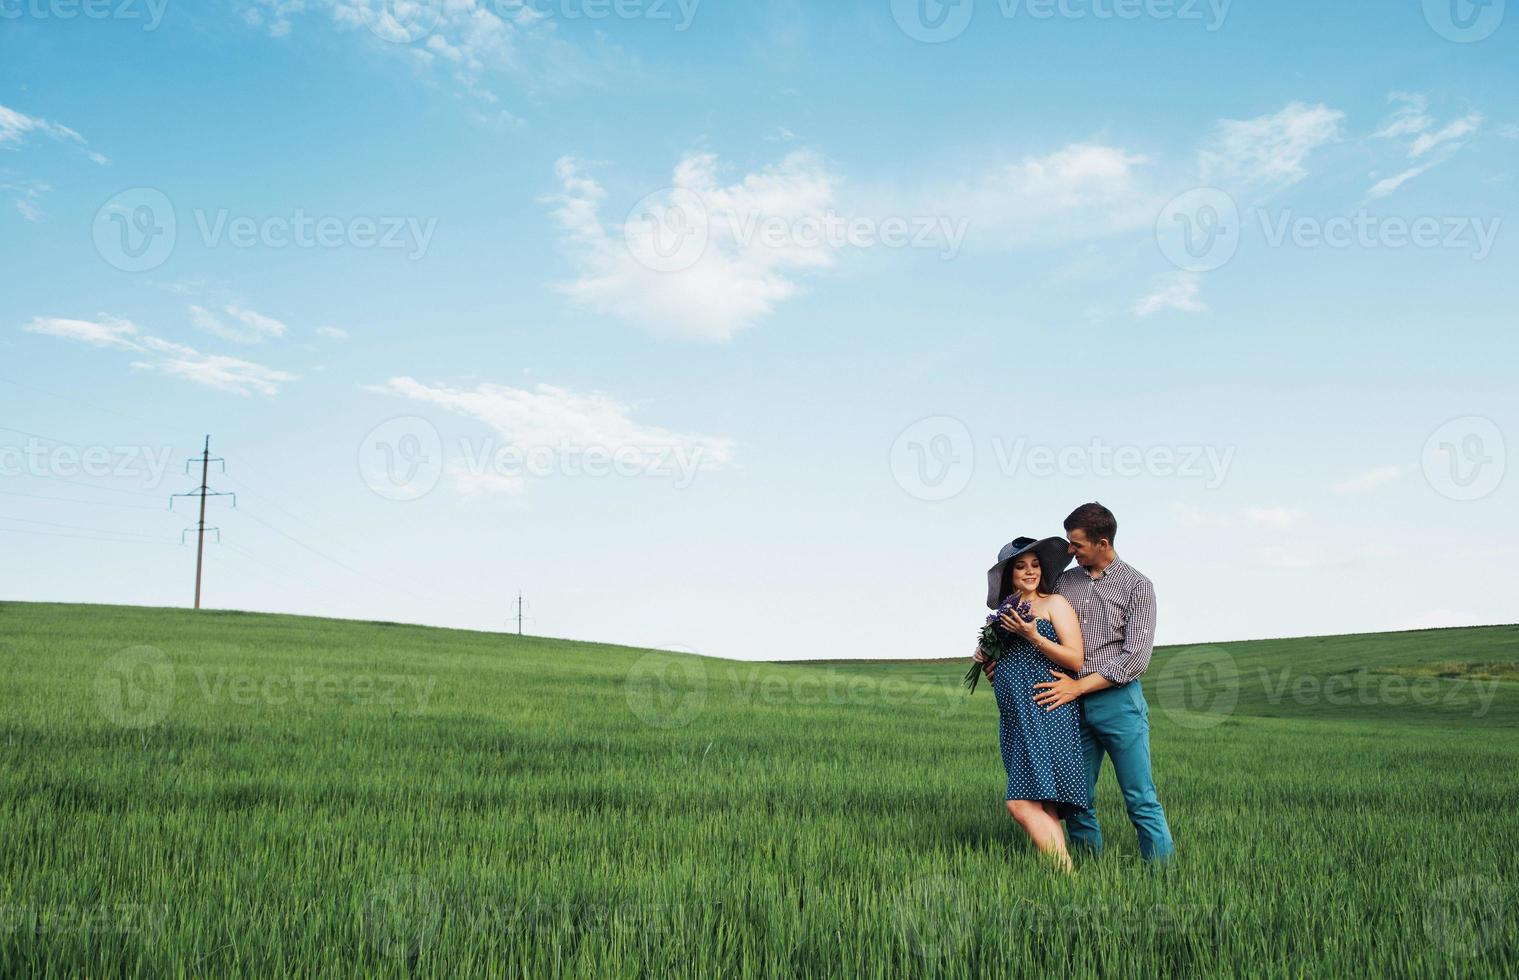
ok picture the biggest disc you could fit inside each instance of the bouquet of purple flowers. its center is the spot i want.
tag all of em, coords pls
(996, 639)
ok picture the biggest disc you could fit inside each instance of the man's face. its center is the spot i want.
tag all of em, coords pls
(1084, 550)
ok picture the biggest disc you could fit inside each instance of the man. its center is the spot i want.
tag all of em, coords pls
(1116, 606)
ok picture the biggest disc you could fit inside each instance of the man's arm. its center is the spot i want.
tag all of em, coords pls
(1138, 635)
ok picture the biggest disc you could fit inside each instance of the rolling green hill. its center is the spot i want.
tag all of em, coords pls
(1436, 676)
(218, 792)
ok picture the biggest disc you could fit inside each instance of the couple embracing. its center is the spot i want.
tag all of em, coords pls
(1068, 688)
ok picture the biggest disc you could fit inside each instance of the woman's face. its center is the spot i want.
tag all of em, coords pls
(1026, 572)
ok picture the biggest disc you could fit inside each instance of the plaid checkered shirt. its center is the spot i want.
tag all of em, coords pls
(1117, 613)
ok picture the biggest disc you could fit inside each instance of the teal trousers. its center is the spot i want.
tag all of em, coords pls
(1116, 722)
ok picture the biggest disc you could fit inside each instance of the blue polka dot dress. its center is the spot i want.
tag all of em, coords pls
(1041, 750)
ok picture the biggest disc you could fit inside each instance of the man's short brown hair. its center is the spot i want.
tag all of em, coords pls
(1095, 521)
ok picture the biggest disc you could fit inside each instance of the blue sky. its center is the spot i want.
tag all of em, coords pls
(756, 329)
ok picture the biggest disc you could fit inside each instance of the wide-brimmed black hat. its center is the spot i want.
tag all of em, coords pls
(1053, 557)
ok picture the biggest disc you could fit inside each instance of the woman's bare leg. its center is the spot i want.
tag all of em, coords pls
(1043, 829)
(1063, 856)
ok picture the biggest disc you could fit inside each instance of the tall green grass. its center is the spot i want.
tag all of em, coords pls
(190, 794)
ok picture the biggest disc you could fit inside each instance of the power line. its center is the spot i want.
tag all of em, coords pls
(91, 486)
(203, 491)
(75, 527)
(76, 500)
(52, 534)
(37, 435)
(71, 444)
(247, 555)
(113, 412)
(341, 564)
(242, 481)
(268, 498)
(286, 576)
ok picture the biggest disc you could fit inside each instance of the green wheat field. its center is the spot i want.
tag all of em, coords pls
(214, 793)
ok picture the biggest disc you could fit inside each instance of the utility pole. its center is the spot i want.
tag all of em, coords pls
(519, 612)
(203, 491)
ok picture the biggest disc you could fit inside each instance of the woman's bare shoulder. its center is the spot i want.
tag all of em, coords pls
(1045, 605)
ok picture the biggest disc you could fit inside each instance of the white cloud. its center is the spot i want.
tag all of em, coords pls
(1457, 130)
(231, 374)
(695, 262)
(1412, 118)
(16, 126)
(1179, 292)
(15, 130)
(466, 41)
(28, 199)
(275, 14)
(257, 322)
(1082, 190)
(1387, 185)
(1368, 479)
(1409, 118)
(1192, 516)
(213, 370)
(1269, 149)
(255, 326)
(557, 423)
(1273, 516)
(1411, 121)
(332, 333)
(107, 331)
(472, 482)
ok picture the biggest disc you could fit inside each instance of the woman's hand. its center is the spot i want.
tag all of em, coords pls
(1027, 628)
(988, 667)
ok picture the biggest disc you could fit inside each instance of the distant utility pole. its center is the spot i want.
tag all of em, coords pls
(205, 459)
(519, 612)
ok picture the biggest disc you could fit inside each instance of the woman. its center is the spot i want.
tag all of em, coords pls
(1041, 749)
